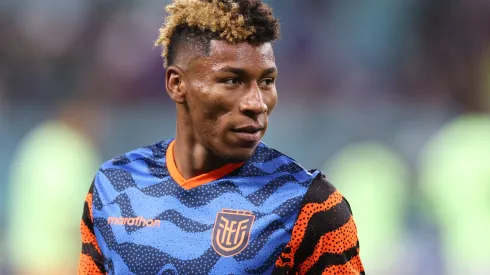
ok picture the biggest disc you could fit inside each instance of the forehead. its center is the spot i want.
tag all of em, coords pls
(241, 55)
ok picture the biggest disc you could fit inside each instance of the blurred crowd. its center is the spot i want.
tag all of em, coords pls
(389, 97)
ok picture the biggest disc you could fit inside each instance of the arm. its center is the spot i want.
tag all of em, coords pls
(324, 238)
(91, 261)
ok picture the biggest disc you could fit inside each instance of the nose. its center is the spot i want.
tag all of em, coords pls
(253, 103)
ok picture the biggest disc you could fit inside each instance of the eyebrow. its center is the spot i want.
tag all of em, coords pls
(270, 70)
(239, 71)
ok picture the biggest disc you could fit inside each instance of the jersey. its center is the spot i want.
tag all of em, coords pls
(267, 215)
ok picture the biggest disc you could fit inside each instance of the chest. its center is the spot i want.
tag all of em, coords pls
(206, 232)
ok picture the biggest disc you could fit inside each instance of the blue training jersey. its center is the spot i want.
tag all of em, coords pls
(142, 217)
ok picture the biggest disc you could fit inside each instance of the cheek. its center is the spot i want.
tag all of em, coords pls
(209, 110)
(271, 100)
(214, 108)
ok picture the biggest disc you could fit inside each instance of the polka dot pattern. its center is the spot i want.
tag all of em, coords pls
(196, 197)
(144, 259)
(300, 226)
(158, 149)
(110, 265)
(258, 243)
(353, 267)
(264, 154)
(291, 167)
(288, 207)
(121, 160)
(172, 216)
(249, 170)
(335, 242)
(96, 202)
(266, 172)
(120, 179)
(187, 225)
(156, 168)
(87, 266)
(88, 237)
(269, 263)
(88, 203)
(260, 196)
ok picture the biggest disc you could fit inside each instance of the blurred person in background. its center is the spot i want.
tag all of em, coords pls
(48, 177)
(375, 179)
(454, 175)
(186, 205)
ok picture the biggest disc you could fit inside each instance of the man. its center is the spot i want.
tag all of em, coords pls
(215, 200)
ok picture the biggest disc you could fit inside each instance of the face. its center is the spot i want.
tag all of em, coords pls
(229, 95)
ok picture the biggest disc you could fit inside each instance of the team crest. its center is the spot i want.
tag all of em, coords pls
(231, 231)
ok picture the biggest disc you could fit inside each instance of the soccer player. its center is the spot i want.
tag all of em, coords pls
(215, 200)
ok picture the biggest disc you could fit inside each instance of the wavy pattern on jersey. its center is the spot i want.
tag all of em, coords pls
(282, 208)
(156, 168)
(148, 260)
(260, 196)
(156, 238)
(269, 251)
(188, 197)
(270, 184)
(120, 179)
(272, 164)
(110, 264)
(263, 243)
(264, 265)
(264, 154)
(171, 216)
(288, 207)
(123, 180)
(269, 263)
(265, 162)
(168, 270)
(258, 243)
(97, 202)
(188, 223)
(121, 160)
(116, 269)
(159, 149)
(254, 170)
(125, 205)
(182, 222)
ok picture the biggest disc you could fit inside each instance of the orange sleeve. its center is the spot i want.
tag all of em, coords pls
(324, 238)
(91, 261)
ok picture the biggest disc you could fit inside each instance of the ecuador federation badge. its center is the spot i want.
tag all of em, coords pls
(231, 231)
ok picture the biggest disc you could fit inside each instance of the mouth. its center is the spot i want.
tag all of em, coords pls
(249, 133)
(249, 129)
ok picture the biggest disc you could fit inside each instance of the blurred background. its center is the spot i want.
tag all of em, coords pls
(389, 97)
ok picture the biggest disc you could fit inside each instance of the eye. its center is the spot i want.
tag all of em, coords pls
(232, 81)
(269, 81)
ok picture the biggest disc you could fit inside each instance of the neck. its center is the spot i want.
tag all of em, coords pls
(192, 158)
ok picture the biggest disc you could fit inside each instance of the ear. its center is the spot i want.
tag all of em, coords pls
(174, 83)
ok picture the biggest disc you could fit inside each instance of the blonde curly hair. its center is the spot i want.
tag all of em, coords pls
(231, 20)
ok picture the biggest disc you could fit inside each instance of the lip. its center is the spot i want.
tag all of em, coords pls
(249, 133)
(248, 137)
(248, 128)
